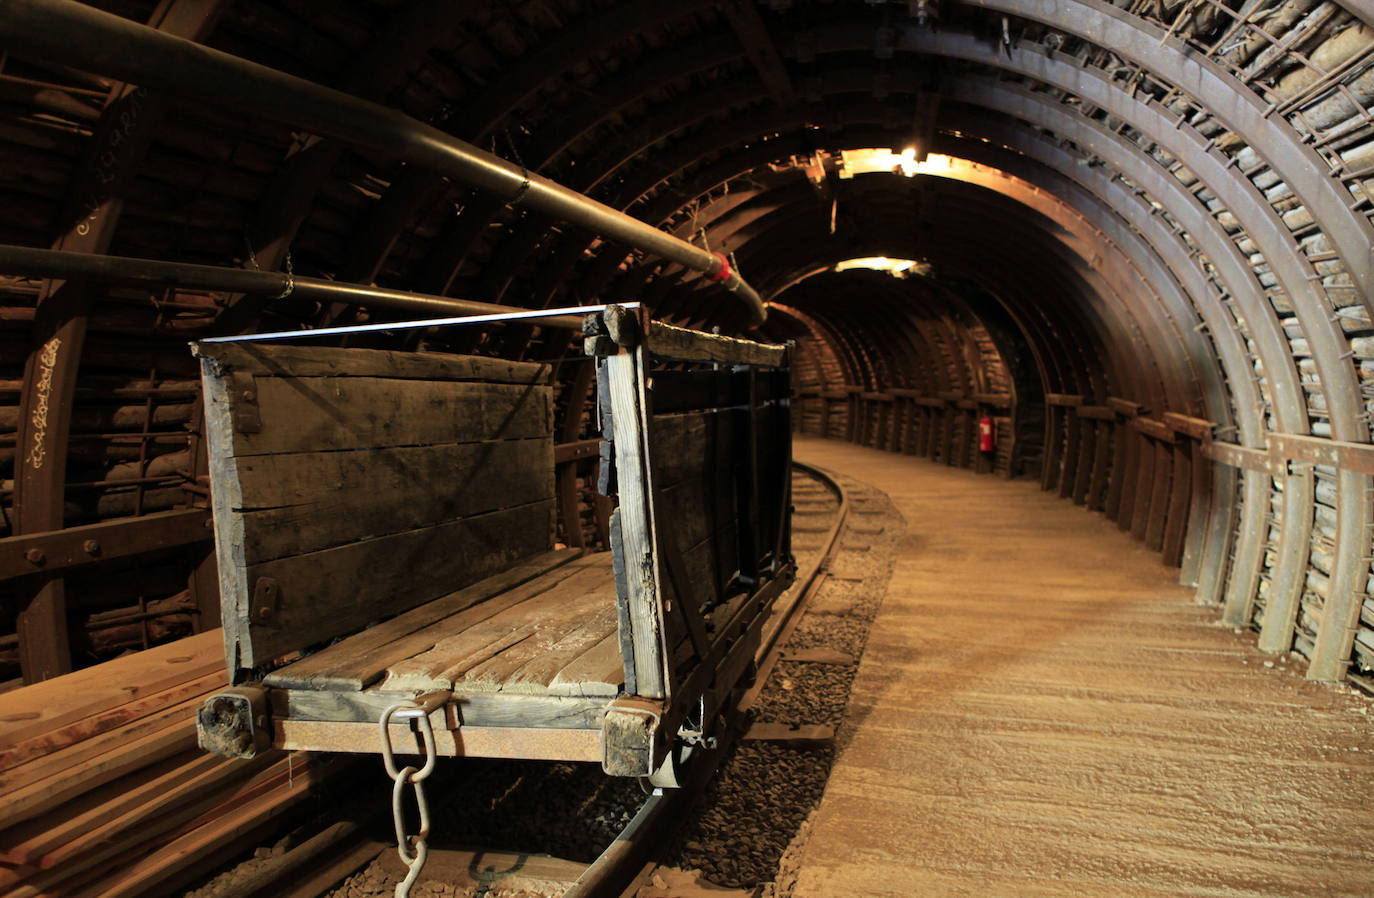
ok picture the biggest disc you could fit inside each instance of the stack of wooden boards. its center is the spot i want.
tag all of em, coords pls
(103, 791)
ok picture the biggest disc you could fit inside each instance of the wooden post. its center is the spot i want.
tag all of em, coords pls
(643, 580)
(1116, 482)
(59, 334)
(1137, 460)
(1144, 486)
(1050, 459)
(1161, 489)
(1082, 482)
(1180, 492)
(1102, 456)
(1073, 432)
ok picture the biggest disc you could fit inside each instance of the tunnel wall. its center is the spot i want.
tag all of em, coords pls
(1152, 244)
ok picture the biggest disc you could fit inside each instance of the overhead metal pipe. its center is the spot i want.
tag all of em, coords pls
(95, 41)
(23, 261)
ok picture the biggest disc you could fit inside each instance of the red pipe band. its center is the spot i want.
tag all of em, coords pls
(723, 272)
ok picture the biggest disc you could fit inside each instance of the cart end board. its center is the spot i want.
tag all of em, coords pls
(700, 434)
(304, 444)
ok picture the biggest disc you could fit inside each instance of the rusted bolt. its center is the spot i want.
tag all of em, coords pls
(249, 395)
(91, 547)
(35, 556)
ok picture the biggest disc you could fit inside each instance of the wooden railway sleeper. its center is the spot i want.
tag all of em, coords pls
(413, 850)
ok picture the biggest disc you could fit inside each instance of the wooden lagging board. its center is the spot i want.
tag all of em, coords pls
(303, 442)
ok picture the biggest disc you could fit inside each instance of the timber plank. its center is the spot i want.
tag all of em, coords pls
(478, 709)
(681, 391)
(451, 658)
(681, 444)
(45, 794)
(599, 671)
(625, 394)
(153, 808)
(112, 718)
(487, 629)
(668, 342)
(57, 760)
(274, 789)
(362, 659)
(43, 707)
(326, 361)
(531, 742)
(29, 842)
(366, 412)
(536, 674)
(304, 502)
(385, 575)
(200, 847)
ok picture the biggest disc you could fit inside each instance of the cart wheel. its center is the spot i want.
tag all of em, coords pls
(672, 772)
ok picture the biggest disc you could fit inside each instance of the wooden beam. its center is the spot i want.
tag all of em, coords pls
(566, 452)
(1244, 457)
(97, 189)
(1063, 399)
(1125, 407)
(622, 375)
(57, 550)
(680, 344)
(1356, 457)
(1197, 428)
(1155, 429)
(537, 744)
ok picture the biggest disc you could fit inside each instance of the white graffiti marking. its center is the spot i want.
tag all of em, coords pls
(47, 361)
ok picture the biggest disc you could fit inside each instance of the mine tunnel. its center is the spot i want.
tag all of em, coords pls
(802, 447)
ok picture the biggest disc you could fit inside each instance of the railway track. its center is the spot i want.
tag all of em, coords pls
(318, 865)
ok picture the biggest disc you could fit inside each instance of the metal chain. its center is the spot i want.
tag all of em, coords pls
(414, 850)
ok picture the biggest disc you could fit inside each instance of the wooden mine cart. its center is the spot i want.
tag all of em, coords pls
(385, 524)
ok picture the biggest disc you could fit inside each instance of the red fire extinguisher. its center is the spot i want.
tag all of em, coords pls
(986, 435)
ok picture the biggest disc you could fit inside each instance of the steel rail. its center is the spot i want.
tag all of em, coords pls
(624, 858)
(23, 261)
(96, 41)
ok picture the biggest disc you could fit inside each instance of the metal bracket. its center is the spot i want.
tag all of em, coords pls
(247, 415)
(1355, 457)
(266, 601)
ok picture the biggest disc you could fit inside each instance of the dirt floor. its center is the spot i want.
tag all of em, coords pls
(1041, 710)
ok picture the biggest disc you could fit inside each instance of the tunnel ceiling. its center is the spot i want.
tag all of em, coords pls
(1165, 203)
